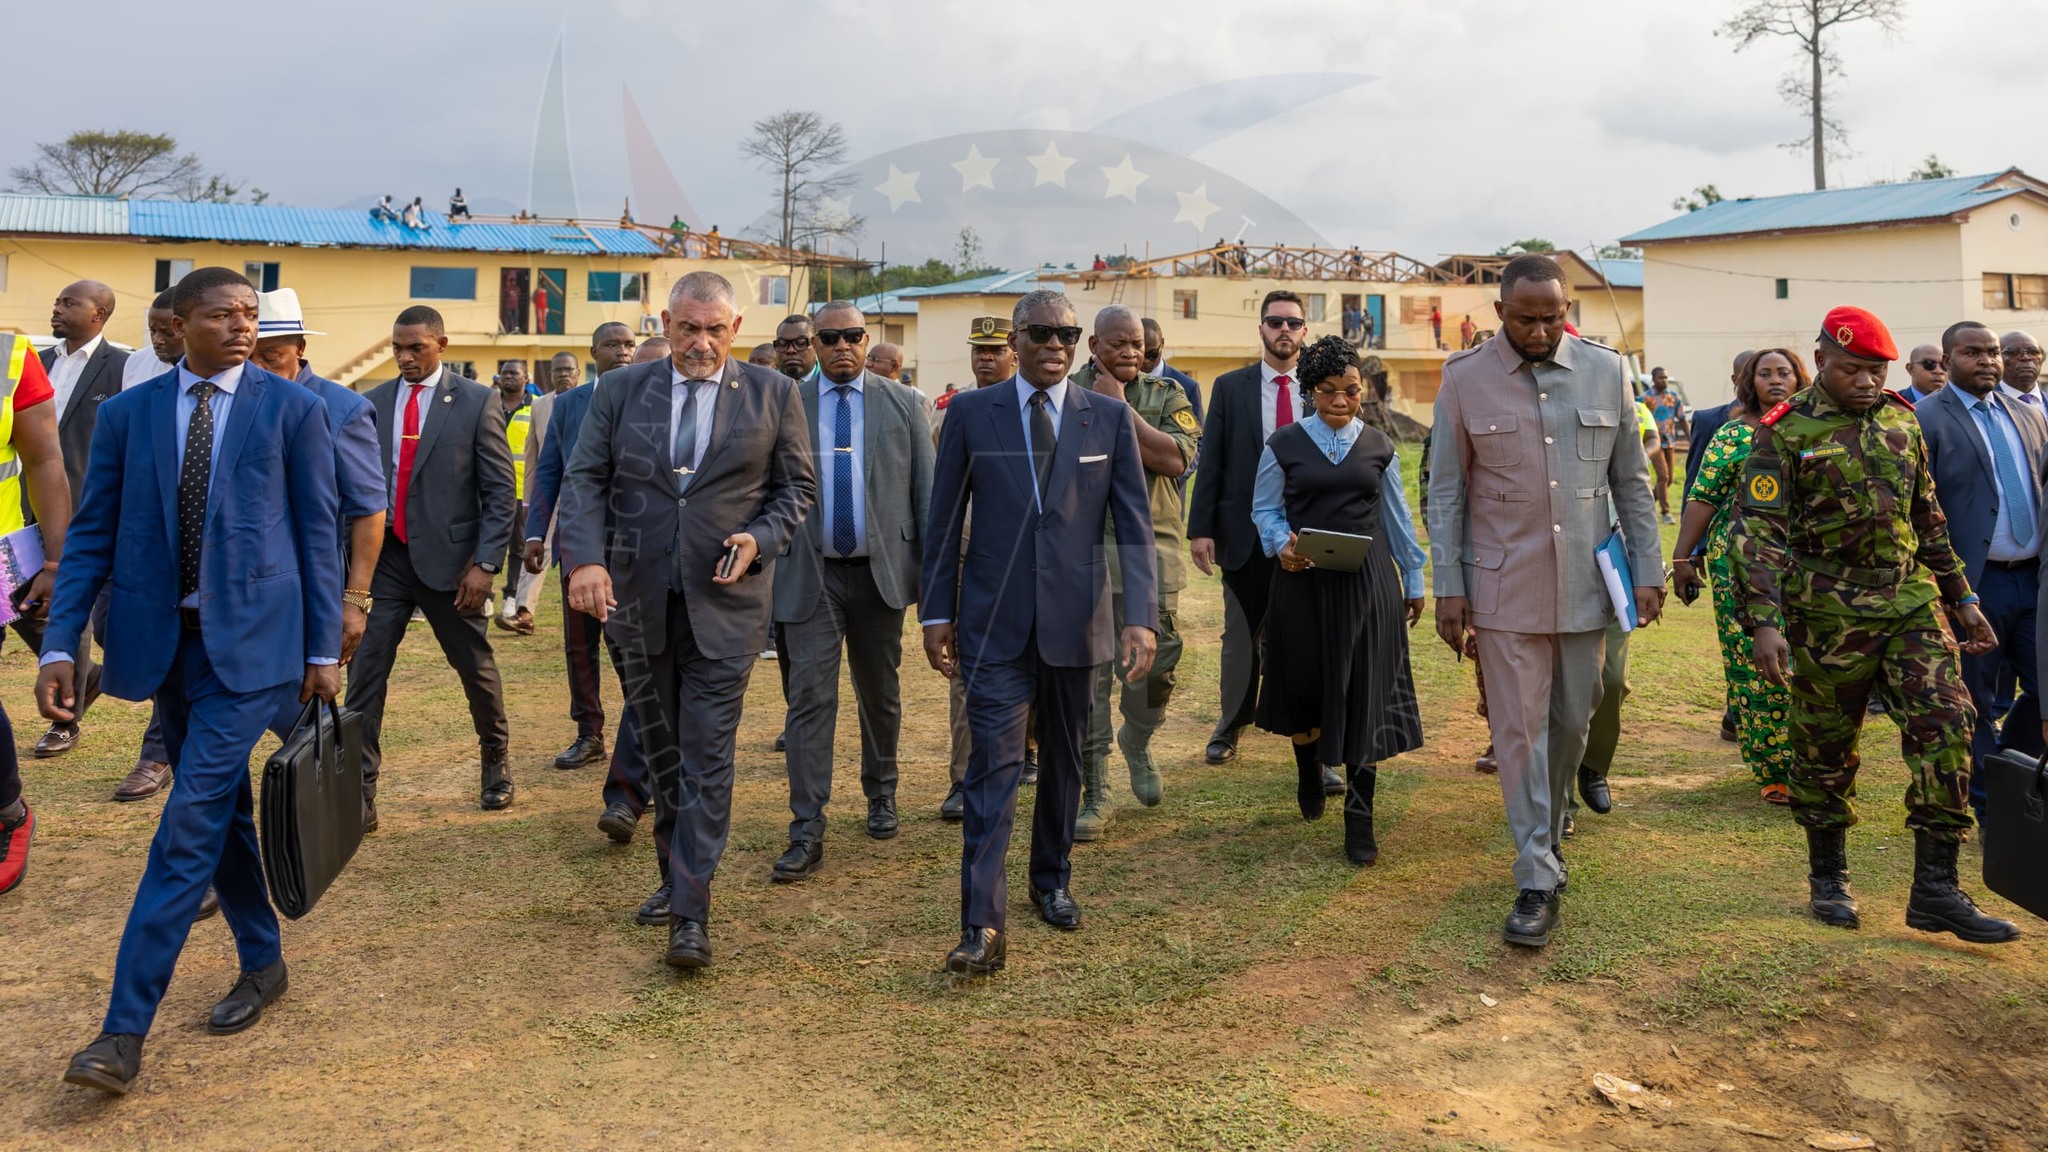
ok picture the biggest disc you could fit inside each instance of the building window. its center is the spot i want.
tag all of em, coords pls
(464, 368)
(3, 271)
(1998, 291)
(1316, 307)
(774, 290)
(614, 287)
(892, 334)
(169, 272)
(443, 283)
(2032, 294)
(1184, 304)
(262, 274)
(1784, 288)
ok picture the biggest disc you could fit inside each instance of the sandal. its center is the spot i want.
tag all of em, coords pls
(1777, 794)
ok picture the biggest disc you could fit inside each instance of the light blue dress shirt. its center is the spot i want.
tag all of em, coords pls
(2006, 547)
(829, 398)
(1055, 403)
(1269, 503)
(706, 391)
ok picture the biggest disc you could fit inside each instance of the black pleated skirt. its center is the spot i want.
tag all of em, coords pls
(1335, 657)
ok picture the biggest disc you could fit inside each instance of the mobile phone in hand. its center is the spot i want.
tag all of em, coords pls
(726, 563)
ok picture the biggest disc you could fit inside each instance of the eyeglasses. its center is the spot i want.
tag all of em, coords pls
(1291, 323)
(1930, 365)
(830, 337)
(1068, 334)
(1350, 393)
(792, 344)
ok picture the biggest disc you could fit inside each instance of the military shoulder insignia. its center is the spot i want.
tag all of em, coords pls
(1764, 487)
(1185, 418)
(1901, 400)
(1778, 413)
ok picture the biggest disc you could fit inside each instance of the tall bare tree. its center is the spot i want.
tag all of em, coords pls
(1811, 23)
(803, 152)
(100, 163)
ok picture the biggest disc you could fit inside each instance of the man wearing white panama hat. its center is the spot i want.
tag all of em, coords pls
(359, 475)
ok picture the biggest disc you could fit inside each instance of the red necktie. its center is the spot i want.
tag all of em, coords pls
(1283, 405)
(408, 446)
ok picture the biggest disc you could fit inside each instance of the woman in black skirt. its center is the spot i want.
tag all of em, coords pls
(1336, 655)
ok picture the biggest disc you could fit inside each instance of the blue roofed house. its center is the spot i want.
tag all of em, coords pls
(1761, 272)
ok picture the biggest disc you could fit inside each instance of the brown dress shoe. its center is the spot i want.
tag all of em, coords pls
(149, 778)
(61, 738)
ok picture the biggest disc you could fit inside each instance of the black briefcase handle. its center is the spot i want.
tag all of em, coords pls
(311, 712)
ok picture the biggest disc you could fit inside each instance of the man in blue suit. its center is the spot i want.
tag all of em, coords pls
(1985, 453)
(1026, 611)
(210, 501)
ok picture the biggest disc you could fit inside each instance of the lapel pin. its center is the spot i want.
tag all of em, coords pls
(450, 399)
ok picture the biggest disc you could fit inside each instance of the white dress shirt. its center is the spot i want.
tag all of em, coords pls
(1269, 398)
(67, 368)
(142, 367)
(706, 391)
(405, 388)
(2006, 390)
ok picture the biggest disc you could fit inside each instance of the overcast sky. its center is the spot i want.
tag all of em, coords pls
(1487, 120)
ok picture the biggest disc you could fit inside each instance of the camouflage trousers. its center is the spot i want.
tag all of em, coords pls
(1143, 704)
(1916, 668)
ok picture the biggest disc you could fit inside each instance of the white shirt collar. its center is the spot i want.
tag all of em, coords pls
(2012, 393)
(675, 374)
(432, 381)
(85, 350)
(1268, 373)
(226, 381)
(1055, 395)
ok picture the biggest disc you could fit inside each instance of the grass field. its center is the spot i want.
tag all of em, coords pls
(475, 979)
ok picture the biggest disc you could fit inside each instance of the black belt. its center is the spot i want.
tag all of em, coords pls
(2014, 565)
(848, 559)
(189, 618)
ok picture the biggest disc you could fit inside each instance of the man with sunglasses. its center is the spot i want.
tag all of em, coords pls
(1168, 437)
(1927, 372)
(1040, 463)
(1245, 407)
(849, 572)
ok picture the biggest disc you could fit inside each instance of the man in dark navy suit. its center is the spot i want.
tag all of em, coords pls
(210, 501)
(1026, 611)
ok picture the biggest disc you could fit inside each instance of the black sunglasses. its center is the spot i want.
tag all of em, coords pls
(830, 337)
(1930, 365)
(792, 344)
(1069, 334)
(1291, 323)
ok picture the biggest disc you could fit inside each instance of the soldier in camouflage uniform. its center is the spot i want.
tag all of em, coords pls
(1840, 553)
(1168, 434)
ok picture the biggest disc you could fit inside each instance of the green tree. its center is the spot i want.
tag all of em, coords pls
(1617, 252)
(1532, 244)
(1931, 169)
(121, 164)
(1699, 198)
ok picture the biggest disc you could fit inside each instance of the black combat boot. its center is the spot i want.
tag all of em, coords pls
(1827, 880)
(1937, 905)
(1359, 846)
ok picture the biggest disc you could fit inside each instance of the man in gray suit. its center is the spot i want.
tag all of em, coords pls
(84, 369)
(448, 471)
(846, 577)
(1533, 432)
(704, 465)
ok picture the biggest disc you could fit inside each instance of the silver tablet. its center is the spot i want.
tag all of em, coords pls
(1336, 551)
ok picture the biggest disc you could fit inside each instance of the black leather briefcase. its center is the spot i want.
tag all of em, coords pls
(312, 817)
(2016, 829)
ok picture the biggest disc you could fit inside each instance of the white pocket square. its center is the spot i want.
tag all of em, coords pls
(1093, 459)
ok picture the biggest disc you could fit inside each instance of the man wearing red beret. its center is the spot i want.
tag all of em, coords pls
(1843, 564)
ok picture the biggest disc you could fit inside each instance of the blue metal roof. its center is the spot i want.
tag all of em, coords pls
(889, 303)
(1836, 208)
(304, 227)
(1620, 273)
(993, 284)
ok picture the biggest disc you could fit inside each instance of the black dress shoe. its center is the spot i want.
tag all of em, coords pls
(1533, 919)
(1571, 827)
(1564, 872)
(109, 1063)
(1593, 790)
(245, 1002)
(882, 822)
(496, 795)
(618, 823)
(209, 905)
(587, 750)
(655, 909)
(954, 807)
(689, 946)
(1056, 907)
(1222, 746)
(1333, 781)
(979, 952)
(1030, 777)
(369, 817)
(801, 859)
(781, 743)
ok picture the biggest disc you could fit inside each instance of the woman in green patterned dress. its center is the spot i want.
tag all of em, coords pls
(1761, 708)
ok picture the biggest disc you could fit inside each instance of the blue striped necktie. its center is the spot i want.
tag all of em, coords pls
(843, 539)
(2012, 486)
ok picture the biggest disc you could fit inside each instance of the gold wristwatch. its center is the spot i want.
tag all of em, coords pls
(357, 597)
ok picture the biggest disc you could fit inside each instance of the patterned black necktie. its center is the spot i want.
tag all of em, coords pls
(193, 481)
(1042, 442)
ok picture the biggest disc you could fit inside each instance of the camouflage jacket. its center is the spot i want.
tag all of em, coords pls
(1163, 404)
(1837, 516)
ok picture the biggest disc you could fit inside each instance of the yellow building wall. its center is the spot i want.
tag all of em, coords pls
(1705, 301)
(353, 295)
(2009, 237)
